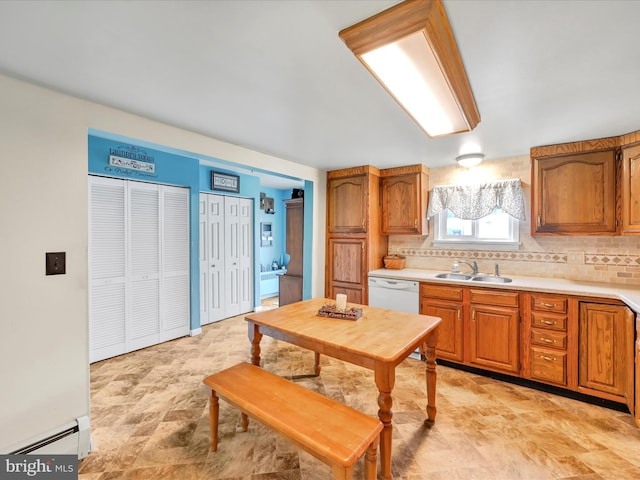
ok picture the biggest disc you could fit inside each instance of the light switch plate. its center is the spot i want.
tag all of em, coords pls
(56, 263)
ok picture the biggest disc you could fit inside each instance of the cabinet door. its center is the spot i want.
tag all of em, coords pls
(294, 235)
(637, 403)
(574, 194)
(450, 336)
(401, 205)
(347, 269)
(631, 190)
(347, 204)
(605, 356)
(494, 338)
(289, 289)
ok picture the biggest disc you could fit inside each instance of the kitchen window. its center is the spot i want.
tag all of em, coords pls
(480, 216)
(496, 229)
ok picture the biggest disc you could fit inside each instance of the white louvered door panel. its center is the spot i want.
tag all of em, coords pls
(107, 268)
(245, 254)
(232, 255)
(143, 308)
(174, 289)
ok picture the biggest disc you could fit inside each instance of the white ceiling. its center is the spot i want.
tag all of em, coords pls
(275, 77)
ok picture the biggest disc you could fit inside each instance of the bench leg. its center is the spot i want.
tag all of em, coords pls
(244, 421)
(214, 410)
(342, 473)
(371, 460)
(316, 366)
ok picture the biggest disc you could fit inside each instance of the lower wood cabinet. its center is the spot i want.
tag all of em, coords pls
(548, 340)
(289, 289)
(494, 338)
(494, 332)
(346, 271)
(446, 303)
(606, 356)
(587, 345)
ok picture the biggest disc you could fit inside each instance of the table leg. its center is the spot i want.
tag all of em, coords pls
(385, 380)
(431, 375)
(254, 337)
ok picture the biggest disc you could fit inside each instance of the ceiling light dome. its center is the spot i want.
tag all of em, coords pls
(470, 159)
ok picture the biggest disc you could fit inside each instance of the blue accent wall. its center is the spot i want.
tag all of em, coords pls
(170, 169)
(185, 169)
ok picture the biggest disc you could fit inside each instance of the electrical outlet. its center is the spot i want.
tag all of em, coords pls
(56, 263)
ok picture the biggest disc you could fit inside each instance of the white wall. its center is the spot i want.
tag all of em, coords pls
(44, 366)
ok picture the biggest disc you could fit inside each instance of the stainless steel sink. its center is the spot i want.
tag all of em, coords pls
(491, 279)
(454, 276)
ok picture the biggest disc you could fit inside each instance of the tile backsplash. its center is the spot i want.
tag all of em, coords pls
(613, 259)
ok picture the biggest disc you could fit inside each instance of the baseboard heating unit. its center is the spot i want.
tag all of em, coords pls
(71, 439)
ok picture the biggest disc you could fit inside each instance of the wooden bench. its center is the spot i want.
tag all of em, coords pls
(332, 432)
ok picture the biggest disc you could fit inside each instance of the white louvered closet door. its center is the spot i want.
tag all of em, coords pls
(107, 268)
(138, 264)
(174, 290)
(143, 312)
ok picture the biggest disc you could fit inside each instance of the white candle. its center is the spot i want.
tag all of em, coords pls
(341, 301)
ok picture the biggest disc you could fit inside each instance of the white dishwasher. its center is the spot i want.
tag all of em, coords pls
(394, 294)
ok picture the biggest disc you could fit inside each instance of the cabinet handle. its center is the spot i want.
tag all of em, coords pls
(547, 340)
(363, 224)
(473, 316)
(458, 310)
(539, 220)
(415, 223)
(548, 359)
(548, 305)
(549, 322)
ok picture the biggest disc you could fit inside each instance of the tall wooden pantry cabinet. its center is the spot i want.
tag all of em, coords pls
(290, 284)
(354, 242)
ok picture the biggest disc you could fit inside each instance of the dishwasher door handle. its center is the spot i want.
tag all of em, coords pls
(393, 284)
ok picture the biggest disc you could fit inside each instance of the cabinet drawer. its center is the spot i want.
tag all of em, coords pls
(548, 303)
(549, 321)
(548, 338)
(441, 291)
(549, 366)
(489, 297)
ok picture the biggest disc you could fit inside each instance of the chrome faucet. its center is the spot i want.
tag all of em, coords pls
(473, 266)
(497, 270)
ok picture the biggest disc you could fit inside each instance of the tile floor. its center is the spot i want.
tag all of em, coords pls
(150, 421)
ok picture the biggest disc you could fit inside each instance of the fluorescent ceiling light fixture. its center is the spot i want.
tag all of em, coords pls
(470, 159)
(411, 50)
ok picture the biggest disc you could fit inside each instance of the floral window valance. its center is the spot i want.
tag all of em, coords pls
(471, 202)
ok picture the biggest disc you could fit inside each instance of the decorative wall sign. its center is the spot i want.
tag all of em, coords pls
(225, 181)
(131, 164)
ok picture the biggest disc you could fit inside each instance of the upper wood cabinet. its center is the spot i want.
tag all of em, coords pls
(404, 192)
(574, 194)
(591, 187)
(630, 190)
(347, 204)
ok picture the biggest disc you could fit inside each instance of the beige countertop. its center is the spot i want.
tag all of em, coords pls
(628, 294)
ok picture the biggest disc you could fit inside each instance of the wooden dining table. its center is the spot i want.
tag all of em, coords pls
(379, 340)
